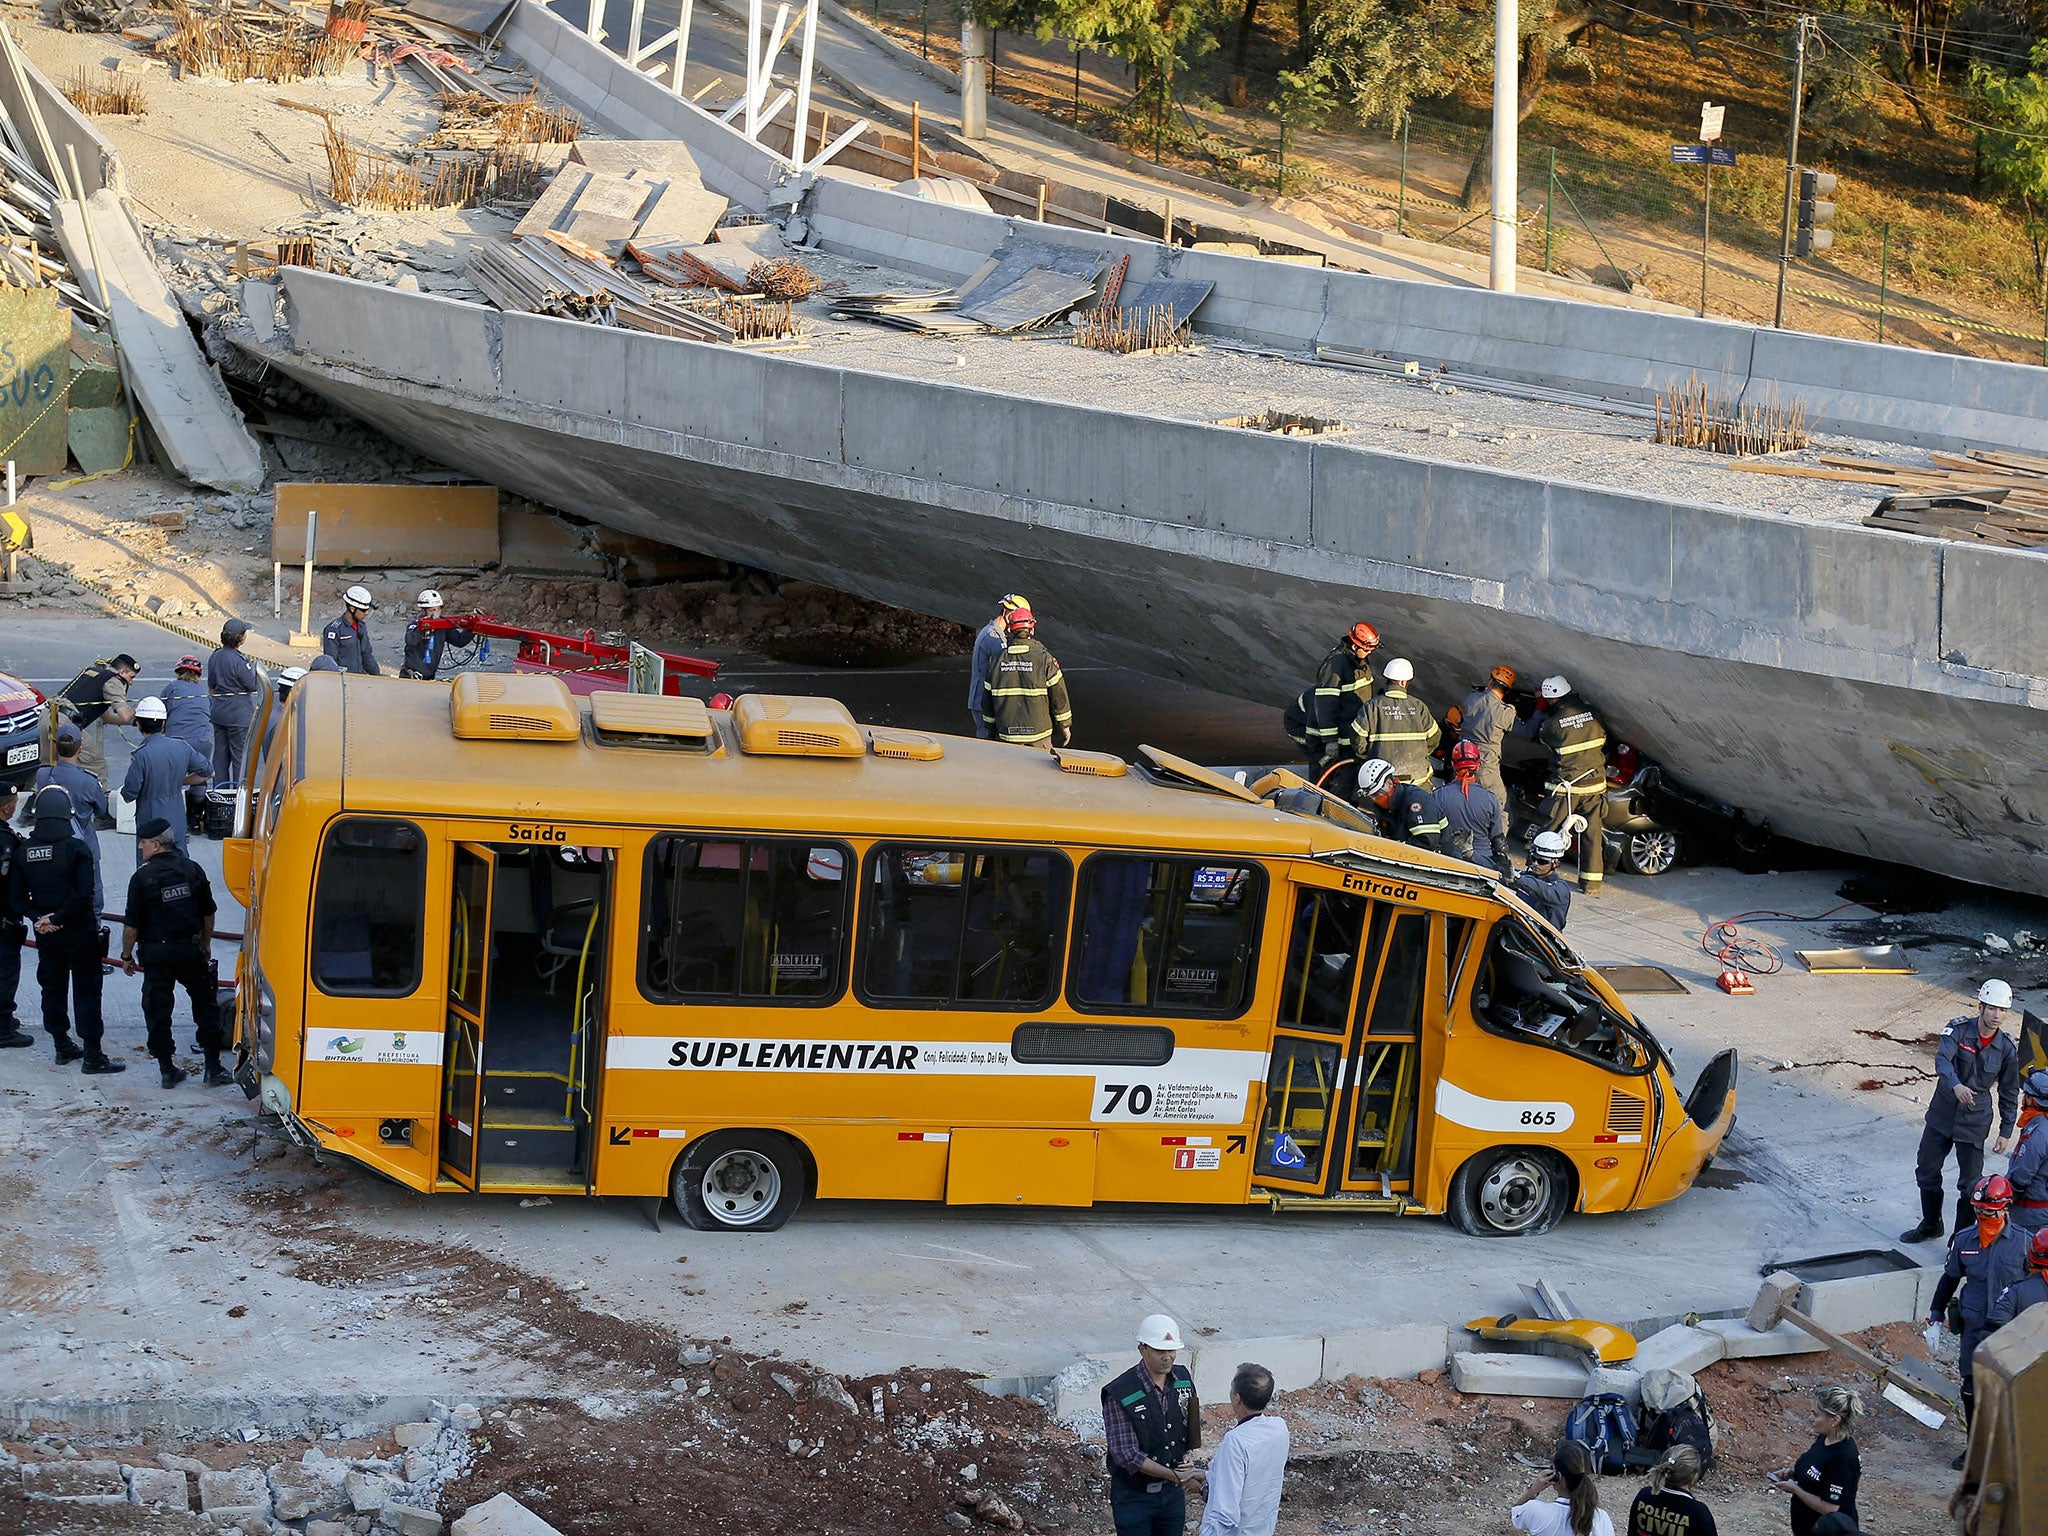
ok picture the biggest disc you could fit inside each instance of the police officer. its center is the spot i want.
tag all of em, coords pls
(2029, 1168)
(1339, 694)
(160, 769)
(1485, 719)
(1976, 1062)
(89, 806)
(13, 932)
(92, 701)
(988, 643)
(424, 648)
(1475, 819)
(52, 888)
(1398, 728)
(1151, 1419)
(1984, 1258)
(1540, 885)
(1407, 813)
(232, 685)
(1578, 774)
(169, 926)
(2032, 1291)
(347, 639)
(1024, 693)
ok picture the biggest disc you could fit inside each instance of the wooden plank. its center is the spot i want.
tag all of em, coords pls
(2013, 459)
(387, 525)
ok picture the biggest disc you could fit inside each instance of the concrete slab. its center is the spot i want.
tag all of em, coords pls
(1865, 1301)
(1296, 1361)
(501, 1515)
(1495, 1375)
(74, 1482)
(1678, 1348)
(159, 1487)
(299, 1490)
(1739, 1341)
(229, 1495)
(1405, 1350)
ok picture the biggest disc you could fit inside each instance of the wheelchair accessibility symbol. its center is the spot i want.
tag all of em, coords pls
(1286, 1154)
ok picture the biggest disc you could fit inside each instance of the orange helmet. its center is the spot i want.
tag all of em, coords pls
(1993, 1193)
(2037, 1252)
(1364, 637)
(1502, 676)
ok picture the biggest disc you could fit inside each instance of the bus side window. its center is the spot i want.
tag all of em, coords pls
(369, 909)
(1397, 1002)
(760, 919)
(1322, 960)
(964, 925)
(1175, 936)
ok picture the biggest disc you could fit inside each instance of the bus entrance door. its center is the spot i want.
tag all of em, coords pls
(1341, 1087)
(469, 968)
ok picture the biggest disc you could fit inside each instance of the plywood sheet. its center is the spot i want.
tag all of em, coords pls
(35, 365)
(388, 525)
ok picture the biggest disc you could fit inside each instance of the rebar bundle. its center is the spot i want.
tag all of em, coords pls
(783, 279)
(471, 117)
(108, 95)
(1690, 415)
(363, 178)
(747, 317)
(238, 45)
(1123, 331)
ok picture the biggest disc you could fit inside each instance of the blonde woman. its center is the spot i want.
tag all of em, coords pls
(1823, 1480)
(1667, 1507)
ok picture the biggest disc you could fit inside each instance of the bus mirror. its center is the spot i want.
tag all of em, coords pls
(237, 865)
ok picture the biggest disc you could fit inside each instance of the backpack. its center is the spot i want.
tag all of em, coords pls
(1603, 1424)
(1675, 1412)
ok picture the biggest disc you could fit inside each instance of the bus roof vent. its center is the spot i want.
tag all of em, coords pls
(512, 706)
(911, 746)
(1182, 774)
(1100, 765)
(786, 725)
(651, 720)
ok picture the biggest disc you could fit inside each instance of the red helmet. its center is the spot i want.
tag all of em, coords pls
(189, 664)
(1019, 618)
(1364, 637)
(1465, 755)
(1993, 1193)
(2037, 1252)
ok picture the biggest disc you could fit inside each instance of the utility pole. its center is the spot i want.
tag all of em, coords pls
(1507, 53)
(973, 77)
(1791, 169)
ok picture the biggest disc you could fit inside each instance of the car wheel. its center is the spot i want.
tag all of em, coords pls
(1511, 1192)
(738, 1181)
(1650, 853)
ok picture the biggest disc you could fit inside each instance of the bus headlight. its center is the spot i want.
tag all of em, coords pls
(275, 1096)
(264, 1049)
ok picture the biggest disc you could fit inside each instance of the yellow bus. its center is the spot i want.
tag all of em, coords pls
(502, 938)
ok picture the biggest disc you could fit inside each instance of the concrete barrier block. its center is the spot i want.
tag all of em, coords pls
(501, 1515)
(299, 1491)
(1296, 1361)
(567, 364)
(1272, 303)
(1424, 513)
(78, 1482)
(1994, 608)
(410, 1520)
(1678, 1348)
(1864, 1301)
(415, 336)
(1739, 1341)
(159, 1488)
(228, 1496)
(1489, 1374)
(1402, 1350)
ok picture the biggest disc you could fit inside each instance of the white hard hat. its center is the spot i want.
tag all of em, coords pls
(1399, 670)
(289, 676)
(430, 598)
(1995, 992)
(1556, 687)
(359, 597)
(1550, 845)
(1374, 775)
(1158, 1332)
(151, 708)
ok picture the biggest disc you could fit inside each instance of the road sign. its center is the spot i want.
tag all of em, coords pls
(1701, 154)
(1710, 121)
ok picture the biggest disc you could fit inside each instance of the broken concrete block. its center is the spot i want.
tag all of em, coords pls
(328, 1528)
(1296, 1361)
(410, 1521)
(501, 1515)
(301, 1491)
(1402, 1350)
(74, 1482)
(259, 305)
(1496, 1375)
(1742, 1342)
(1779, 1291)
(159, 1487)
(368, 1492)
(466, 1416)
(225, 1497)
(182, 1463)
(1679, 1348)
(1856, 1302)
(419, 1466)
(411, 1437)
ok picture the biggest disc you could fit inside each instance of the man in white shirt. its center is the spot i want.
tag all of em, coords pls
(1246, 1471)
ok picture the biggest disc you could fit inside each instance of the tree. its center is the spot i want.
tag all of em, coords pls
(2012, 149)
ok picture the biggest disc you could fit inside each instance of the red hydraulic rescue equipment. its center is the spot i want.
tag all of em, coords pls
(585, 662)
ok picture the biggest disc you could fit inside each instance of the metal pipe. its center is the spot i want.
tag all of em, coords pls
(806, 61)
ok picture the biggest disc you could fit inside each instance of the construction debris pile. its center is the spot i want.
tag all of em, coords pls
(1690, 415)
(107, 93)
(1029, 284)
(1981, 497)
(1125, 331)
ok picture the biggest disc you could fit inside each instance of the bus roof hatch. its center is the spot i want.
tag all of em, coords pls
(788, 725)
(646, 719)
(512, 706)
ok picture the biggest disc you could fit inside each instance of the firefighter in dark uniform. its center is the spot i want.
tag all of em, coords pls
(2029, 1292)
(1984, 1259)
(52, 888)
(1342, 689)
(347, 639)
(1407, 813)
(13, 932)
(1399, 728)
(1540, 885)
(425, 647)
(1151, 1420)
(168, 927)
(1475, 821)
(1578, 775)
(1024, 696)
(1976, 1082)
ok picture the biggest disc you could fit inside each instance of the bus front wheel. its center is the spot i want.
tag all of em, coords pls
(1510, 1192)
(738, 1181)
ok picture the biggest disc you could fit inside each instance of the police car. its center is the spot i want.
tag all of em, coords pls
(22, 726)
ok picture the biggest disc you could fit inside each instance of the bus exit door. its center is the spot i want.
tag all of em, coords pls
(1343, 1084)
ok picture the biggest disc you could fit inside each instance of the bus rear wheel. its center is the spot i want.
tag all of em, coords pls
(738, 1181)
(1511, 1192)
